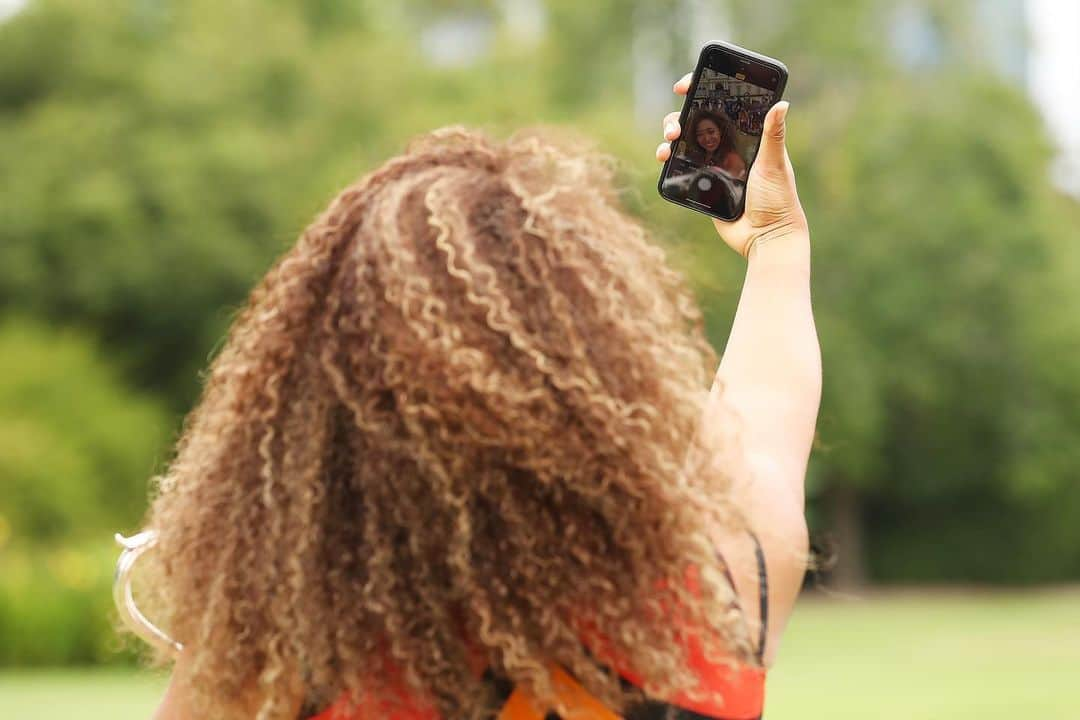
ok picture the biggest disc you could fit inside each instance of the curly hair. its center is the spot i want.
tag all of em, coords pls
(459, 416)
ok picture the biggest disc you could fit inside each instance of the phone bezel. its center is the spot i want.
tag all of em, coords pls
(740, 54)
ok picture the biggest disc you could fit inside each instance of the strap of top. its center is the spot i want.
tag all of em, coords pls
(763, 593)
(763, 597)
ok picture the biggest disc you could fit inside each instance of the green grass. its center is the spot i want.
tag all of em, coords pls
(931, 655)
(888, 656)
(79, 695)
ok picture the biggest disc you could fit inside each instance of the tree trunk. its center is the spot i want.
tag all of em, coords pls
(845, 521)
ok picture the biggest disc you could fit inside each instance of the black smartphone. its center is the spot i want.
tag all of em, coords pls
(731, 90)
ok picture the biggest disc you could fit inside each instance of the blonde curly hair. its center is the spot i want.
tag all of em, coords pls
(460, 414)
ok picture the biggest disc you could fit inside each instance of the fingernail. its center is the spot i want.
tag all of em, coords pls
(669, 128)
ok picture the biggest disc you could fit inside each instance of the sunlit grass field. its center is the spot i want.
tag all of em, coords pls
(924, 655)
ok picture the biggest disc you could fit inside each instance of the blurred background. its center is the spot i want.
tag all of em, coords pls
(156, 156)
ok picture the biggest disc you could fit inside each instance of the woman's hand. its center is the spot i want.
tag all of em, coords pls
(772, 210)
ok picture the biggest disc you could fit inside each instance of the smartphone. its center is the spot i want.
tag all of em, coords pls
(731, 90)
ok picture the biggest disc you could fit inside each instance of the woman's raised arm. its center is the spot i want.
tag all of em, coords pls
(769, 378)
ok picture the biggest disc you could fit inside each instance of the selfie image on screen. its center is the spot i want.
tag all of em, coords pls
(721, 135)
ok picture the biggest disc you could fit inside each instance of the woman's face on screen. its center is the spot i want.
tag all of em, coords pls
(707, 134)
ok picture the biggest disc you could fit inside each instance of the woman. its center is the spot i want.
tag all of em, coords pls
(711, 143)
(458, 457)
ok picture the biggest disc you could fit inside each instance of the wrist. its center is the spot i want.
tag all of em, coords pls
(787, 247)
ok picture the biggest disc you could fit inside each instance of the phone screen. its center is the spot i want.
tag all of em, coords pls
(721, 133)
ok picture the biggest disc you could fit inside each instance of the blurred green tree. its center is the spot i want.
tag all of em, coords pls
(76, 445)
(76, 448)
(945, 271)
(156, 156)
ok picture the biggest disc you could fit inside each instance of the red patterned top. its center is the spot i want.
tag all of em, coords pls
(742, 688)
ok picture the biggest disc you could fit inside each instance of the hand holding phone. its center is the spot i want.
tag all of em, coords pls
(745, 182)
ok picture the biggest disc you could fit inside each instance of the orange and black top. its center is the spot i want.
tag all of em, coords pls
(743, 689)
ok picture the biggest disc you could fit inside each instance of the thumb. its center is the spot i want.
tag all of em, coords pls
(772, 136)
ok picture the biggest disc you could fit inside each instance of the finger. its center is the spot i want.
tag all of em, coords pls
(723, 226)
(773, 154)
(671, 125)
(663, 151)
(682, 86)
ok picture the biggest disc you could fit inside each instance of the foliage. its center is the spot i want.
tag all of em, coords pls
(945, 267)
(56, 607)
(76, 449)
(156, 156)
(76, 446)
